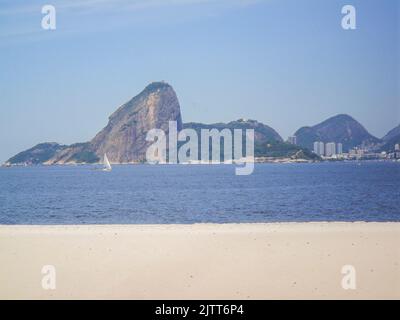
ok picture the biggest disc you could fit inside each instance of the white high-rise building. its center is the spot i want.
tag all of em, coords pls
(292, 139)
(316, 147)
(397, 147)
(330, 149)
(339, 148)
(319, 148)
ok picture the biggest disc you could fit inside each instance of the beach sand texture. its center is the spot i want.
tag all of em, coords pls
(201, 261)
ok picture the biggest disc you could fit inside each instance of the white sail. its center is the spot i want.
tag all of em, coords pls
(107, 165)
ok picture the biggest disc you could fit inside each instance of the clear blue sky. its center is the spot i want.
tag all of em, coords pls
(287, 63)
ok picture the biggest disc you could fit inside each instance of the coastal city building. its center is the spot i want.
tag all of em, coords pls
(353, 152)
(361, 153)
(339, 148)
(319, 148)
(397, 147)
(316, 147)
(292, 139)
(330, 149)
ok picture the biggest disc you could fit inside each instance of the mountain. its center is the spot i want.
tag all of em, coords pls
(124, 137)
(75, 153)
(341, 128)
(38, 154)
(267, 142)
(391, 139)
(262, 132)
(395, 132)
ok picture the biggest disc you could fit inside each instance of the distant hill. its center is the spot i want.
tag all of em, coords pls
(267, 142)
(391, 139)
(124, 137)
(395, 132)
(340, 129)
(262, 132)
(37, 154)
(283, 150)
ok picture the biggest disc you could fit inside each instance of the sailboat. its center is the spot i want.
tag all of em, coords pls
(107, 165)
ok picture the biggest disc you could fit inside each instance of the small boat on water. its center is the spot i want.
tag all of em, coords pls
(106, 163)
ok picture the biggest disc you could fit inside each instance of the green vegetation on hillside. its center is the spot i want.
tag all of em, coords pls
(283, 150)
(38, 154)
(85, 157)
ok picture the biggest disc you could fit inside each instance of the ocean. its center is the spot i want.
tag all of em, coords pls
(164, 194)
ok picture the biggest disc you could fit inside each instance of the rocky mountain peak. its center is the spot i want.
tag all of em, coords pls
(123, 139)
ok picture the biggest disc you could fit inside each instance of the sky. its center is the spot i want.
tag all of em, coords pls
(286, 63)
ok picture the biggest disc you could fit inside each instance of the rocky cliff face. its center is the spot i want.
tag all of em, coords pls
(124, 137)
(75, 153)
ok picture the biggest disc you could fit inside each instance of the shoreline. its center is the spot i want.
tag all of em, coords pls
(201, 261)
(259, 160)
(197, 224)
(205, 224)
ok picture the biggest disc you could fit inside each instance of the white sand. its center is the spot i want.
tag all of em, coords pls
(235, 261)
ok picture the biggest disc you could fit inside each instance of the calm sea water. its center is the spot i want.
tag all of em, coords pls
(199, 193)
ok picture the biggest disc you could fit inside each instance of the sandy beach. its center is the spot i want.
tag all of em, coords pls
(204, 261)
